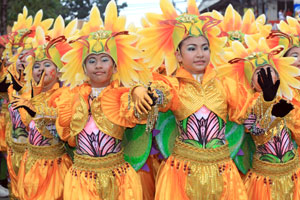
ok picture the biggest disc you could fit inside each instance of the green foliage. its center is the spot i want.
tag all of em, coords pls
(51, 8)
(80, 8)
(68, 9)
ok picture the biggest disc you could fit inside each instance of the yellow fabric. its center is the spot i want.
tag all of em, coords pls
(72, 113)
(102, 178)
(294, 118)
(270, 181)
(227, 97)
(193, 173)
(44, 180)
(4, 118)
(14, 157)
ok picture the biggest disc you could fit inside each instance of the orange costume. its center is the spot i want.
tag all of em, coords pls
(99, 170)
(200, 166)
(45, 161)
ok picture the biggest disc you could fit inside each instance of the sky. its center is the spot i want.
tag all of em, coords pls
(136, 9)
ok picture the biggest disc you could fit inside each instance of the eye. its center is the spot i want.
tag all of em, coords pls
(104, 59)
(36, 66)
(205, 47)
(47, 64)
(295, 55)
(191, 48)
(91, 60)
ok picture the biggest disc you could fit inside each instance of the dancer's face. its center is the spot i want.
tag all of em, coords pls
(99, 68)
(50, 70)
(194, 54)
(21, 61)
(294, 52)
(255, 84)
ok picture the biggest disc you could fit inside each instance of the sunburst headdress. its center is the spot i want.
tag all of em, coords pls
(288, 34)
(243, 62)
(110, 38)
(23, 31)
(161, 39)
(51, 45)
(235, 27)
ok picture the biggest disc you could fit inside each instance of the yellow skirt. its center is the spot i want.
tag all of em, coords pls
(273, 181)
(96, 178)
(14, 157)
(193, 173)
(42, 172)
(148, 178)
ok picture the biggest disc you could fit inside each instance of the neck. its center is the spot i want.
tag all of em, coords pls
(49, 86)
(100, 85)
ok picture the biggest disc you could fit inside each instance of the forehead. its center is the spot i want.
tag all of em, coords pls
(195, 40)
(43, 61)
(294, 50)
(97, 55)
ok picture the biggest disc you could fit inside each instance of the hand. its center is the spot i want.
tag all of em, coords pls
(18, 83)
(142, 100)
(3, 85)
(38, 87)
(153, 95)
(282, 108)
(265, 81)
(23, 103)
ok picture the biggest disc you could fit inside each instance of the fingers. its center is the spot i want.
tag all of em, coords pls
(148, 99)
(277, 83)
(269, 74)
(41, 81)
(260, 82)
(263, 75)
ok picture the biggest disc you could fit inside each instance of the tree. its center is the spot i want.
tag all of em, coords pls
(80, 8)
(3, 16)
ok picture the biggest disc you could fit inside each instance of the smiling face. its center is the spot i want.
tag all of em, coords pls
(294, 52)
(254, 82)
(99, 68)
(50, 70)
(194, 54)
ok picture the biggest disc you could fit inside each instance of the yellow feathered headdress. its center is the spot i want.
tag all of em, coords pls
(161, 39)
(23, 31)
(288, 34)
(110, 38)
(234, 27)
(50, 45)
(243, 62)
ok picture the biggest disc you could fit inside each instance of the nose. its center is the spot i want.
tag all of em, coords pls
(200, 53)
(99, 65)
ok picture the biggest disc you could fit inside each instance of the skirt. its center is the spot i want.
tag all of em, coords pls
(42, 172)
(105, 178)
(274, 181)
(193, 173)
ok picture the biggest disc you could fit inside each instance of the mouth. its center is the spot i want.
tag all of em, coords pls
(98, 73)
(200, 62)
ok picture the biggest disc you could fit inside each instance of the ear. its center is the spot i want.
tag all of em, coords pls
(178, 56)
(115, 69)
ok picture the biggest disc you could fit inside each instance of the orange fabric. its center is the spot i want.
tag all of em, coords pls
(13, 163)
(148, 178)
(80, 184)
(260, 187)
(3, 120)
(44, 180)
(172, 178)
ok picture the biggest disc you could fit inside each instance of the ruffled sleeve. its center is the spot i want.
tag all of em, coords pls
(63, 100)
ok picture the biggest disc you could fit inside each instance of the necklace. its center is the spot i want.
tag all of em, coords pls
(96, 91)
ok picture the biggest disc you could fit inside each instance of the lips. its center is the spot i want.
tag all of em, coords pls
(99, 73)
(200, 62)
